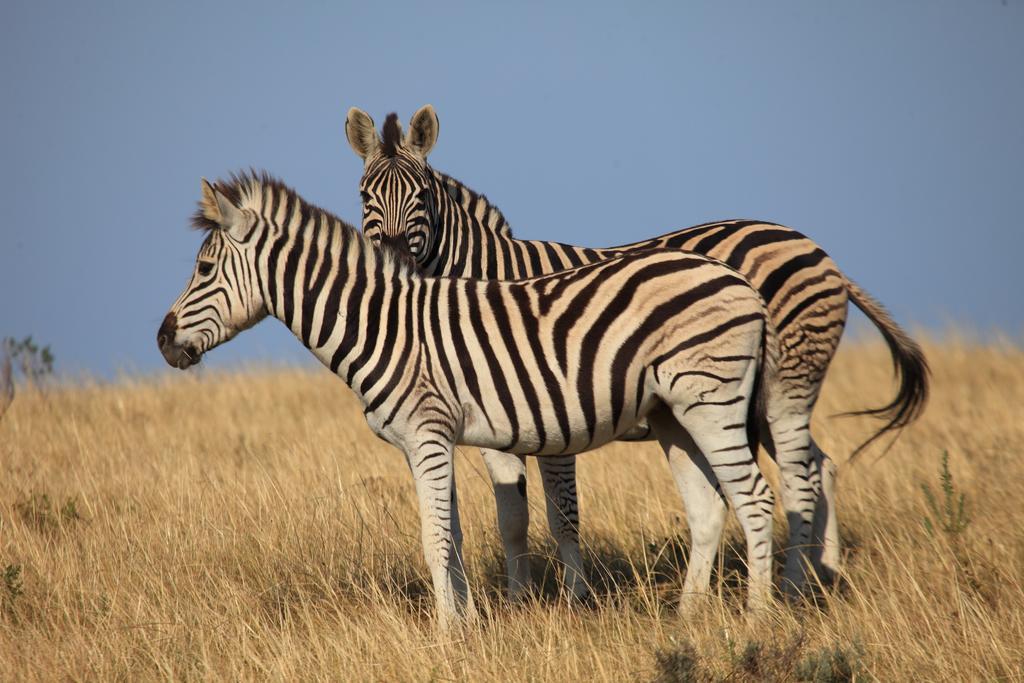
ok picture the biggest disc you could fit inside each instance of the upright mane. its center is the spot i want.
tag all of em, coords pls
(392, 138)
(475, 204)
(262, 193)
(251, 189)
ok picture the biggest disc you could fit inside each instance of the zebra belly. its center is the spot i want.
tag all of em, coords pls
(523, 436)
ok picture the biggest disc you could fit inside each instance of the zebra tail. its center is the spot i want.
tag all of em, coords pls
(909, 365)
(765, 381)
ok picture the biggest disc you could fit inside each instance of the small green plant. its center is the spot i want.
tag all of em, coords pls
(749, 661)
(39, 511)
(13, 588)
(34, 361)
(775, 661)
(950, 516)
(680, 664)
(831, 665)
(69, 510)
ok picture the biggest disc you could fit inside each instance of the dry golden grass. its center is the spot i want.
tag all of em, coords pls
(249, 526)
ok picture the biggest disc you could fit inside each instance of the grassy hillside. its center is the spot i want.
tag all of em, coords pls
(249, 525)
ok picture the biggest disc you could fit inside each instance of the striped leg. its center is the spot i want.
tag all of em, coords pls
(559, 476)
(826, 545)
(705, 509)
(736, 469)
(792, 439)
(734, 466)
(508, 476)
(433, 471)
(459, 581)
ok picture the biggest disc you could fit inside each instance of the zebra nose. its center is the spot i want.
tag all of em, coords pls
(167, 329)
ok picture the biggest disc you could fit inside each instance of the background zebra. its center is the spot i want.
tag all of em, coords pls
(678, 338)
(451, 230)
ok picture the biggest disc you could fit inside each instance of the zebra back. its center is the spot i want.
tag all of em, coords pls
(450, 230)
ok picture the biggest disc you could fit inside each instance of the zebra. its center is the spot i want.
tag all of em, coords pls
(550, 366)
(450, 230)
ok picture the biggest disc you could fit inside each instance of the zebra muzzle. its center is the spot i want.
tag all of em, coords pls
(179, 356)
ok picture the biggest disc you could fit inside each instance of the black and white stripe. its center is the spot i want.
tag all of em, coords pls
(450, 230)
(553, 366)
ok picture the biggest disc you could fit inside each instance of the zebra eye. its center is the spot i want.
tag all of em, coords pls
(205, 268)
(364, 196)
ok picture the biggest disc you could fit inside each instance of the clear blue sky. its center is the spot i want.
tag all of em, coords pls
(891, 132)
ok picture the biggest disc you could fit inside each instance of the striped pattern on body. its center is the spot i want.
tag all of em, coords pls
(552, 365)
(450, 230)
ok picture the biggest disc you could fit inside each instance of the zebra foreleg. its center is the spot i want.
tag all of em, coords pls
(433, 471)
(508, 476)
(559, 477)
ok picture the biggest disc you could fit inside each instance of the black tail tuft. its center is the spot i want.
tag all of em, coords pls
(909, 363)
(757, 415)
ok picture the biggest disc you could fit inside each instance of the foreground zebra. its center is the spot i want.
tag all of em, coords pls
(549, 366)
(451, 230)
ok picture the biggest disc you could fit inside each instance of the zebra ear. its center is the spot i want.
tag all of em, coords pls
(361, 133)
(218, 209)
(423, 129)
(208, 205)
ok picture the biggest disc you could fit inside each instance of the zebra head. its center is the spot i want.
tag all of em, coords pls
(223, 296)
(399, 206)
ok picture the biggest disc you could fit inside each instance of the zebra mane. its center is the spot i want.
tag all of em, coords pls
(251, 189)
(465, 196)
(245, 189)
(392, 138)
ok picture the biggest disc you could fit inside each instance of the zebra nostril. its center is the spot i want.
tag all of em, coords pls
(167, 329)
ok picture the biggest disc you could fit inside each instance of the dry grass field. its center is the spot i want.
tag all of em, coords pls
(248, 525)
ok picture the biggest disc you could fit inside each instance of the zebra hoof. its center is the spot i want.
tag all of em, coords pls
(694, 604)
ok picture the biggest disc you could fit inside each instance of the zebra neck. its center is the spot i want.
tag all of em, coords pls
(471, 229)
(341, 297)
(476, 241)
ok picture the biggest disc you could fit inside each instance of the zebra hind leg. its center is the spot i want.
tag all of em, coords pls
(715, 433)
(799, 491)
(826, 548)
(705, 508)
(559, 477)
(508, 477)
(457, 570)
